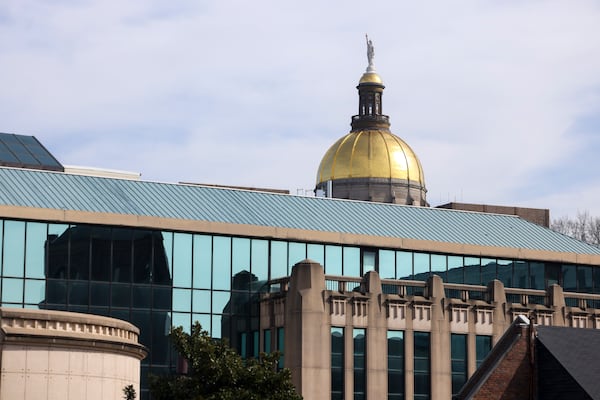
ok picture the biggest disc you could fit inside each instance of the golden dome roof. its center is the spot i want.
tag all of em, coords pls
(370, 77)
(370, 153)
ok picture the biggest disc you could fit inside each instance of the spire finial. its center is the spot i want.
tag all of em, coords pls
(370, 54)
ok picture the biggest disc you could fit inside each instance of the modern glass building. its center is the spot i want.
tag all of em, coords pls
(398, 301)
(159, 255)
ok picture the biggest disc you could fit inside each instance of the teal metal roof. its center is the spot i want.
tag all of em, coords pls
(50, 190)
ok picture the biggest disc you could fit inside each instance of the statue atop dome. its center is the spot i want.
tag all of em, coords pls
(370, 54)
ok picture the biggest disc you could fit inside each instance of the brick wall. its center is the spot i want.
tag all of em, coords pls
(512, 378)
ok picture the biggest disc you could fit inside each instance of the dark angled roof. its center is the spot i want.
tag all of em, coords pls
(60, 191)
(22, 151)
(578, 351)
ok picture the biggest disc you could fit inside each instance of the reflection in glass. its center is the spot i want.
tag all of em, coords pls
(569, 278)
(369, 261)
(204, 320)
(259, 259)
(521, 274)
(360, 342)
(240, 255)
(458, 361)
(182, 319)
(182, 260)
(297, 252)
(280, 345)
(34, 291)
(536, 275)
(221, 263)
(488, 270)
(483, 345)
(168, 246)
(120, 295)
(35, 250)
(122, 255)
(337, 363)
(438, 265)
(333, 260)
(201, 301)
(219, 301)
(404, 265)
(100, 294)
(14, 248)
(473, 270)
(584, 278)
(395, 354)
(12, 290)
(216, 327)
(267, 340)
(161, 297)
(504, 271)
(182, 300)
(421, 266)
(202, 261)
(387, 264)
(455, 269)
(422, 384)
(279, 259)
(316, 252)
(351, 261)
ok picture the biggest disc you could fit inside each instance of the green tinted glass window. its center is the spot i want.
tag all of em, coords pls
(279, 259)
(333, 260)
(35, 252)
(202, 271)
(259, 259)
(14, 249)
(182, 260)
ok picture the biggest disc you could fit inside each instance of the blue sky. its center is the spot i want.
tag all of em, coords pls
(500, 100)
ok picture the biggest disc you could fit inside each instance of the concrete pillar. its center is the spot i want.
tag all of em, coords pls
(307, 351)
(441, 383)
(557, 303)
(498, 299)
(376, 339)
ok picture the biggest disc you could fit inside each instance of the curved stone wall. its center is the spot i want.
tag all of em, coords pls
(63, 355)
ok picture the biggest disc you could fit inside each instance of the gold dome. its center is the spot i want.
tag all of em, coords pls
(370, 153)
(370, 77)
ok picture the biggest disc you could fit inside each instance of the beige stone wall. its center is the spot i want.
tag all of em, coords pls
(33, 372)
(66, 356)
(312, 303)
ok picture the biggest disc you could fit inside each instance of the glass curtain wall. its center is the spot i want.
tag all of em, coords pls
(395, 341)
(422, 360)
(483, 346)
(458, 361)
(337, 363)
(360, 377)
(156, 279)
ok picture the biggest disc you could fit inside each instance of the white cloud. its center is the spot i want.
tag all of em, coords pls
(253, 93)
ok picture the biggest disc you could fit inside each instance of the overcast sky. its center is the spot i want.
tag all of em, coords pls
(499, 99)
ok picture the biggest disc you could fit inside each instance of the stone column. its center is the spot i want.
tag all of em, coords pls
(307, 351)
(498, 300)
(376, 339)
(557, 303)
(441, 384)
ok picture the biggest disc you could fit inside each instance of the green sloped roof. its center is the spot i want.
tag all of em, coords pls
(50, 190)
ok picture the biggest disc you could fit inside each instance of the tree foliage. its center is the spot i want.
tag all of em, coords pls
(129, 392)
(217, 372)
(583, 227)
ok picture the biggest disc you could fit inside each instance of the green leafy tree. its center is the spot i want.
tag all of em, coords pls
(216, 372)
(129, 392)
